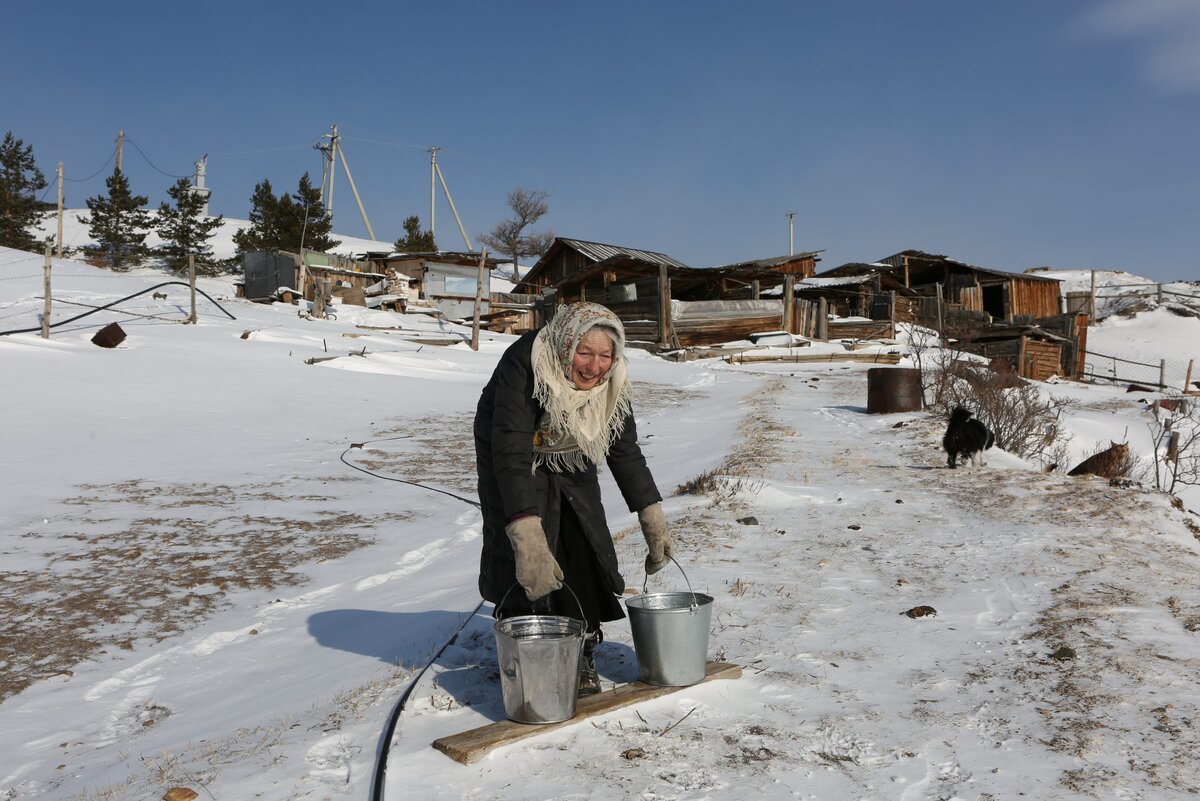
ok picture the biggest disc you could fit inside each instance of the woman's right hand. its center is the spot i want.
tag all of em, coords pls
(538, 572)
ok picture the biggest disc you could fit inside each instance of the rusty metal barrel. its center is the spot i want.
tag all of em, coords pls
(894, 389)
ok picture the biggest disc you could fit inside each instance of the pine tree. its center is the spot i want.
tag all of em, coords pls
(263, 233)
(20, 180)
(305, 220)
(119, 225)
(415, 240)
(186, 230)
(285, 223)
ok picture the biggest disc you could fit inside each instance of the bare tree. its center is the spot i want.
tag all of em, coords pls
(1176, 436)
(528, 206)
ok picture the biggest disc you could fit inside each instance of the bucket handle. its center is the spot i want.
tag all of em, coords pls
(695, 602)
(533, 604)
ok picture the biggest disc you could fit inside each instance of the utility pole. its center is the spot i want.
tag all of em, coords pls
(120, 148)
(330, 152)
(433, 173)
(791, 215)
(60, 210)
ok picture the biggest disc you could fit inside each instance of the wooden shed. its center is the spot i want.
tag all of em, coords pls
(1015, 297)
(662, 301)
(447, 279)
(1033, 352)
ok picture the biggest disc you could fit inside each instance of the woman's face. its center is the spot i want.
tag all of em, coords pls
(592, 359)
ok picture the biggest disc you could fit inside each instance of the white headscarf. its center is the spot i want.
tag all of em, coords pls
(579, 425)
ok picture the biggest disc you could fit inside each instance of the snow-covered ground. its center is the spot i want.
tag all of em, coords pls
(200, 590)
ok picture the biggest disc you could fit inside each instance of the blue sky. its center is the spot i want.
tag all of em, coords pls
(1005, 134)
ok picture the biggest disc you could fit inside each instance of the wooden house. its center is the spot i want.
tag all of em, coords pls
(662, 301)
(1012, 297)
(1016, 317)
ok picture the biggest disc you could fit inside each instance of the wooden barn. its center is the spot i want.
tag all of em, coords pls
(662, 301)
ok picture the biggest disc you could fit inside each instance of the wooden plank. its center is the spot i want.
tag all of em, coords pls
(848, 356)
(469, 746)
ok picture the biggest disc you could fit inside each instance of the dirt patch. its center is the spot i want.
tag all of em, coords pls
(437, 450)
(142, 561)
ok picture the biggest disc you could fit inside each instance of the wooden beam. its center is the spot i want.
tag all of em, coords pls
(664, 307)
(789, 303)
(469, 746)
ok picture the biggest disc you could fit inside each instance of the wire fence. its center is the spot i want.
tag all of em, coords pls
(1167, 374)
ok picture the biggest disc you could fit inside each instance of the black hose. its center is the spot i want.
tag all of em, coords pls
(114, 303)
(380, 772)
(385, 741)
(400, 480)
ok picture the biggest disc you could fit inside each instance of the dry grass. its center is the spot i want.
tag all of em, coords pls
(759, 444)
(161, 558)
(437, 450)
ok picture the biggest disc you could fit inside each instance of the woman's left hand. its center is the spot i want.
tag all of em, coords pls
(658, 539)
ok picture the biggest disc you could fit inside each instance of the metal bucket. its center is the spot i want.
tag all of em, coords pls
(539, 658)
(670, 634)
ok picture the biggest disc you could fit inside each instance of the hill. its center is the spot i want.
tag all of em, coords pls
(229, 547)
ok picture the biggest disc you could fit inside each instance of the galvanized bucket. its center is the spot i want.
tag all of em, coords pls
(670, 634)
(539, 658)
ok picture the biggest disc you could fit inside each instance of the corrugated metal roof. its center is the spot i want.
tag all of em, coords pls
(841, 280)
(774, 261)
(599, 252)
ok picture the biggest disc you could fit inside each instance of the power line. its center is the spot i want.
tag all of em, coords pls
(304, 146)
(151, 163)
(111, 156)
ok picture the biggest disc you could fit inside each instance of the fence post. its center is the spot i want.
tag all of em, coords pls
(939, 310)
(664, 307)
(822, 319)
(1187, 379)
(478, 299)
(1092, 304)
(789, 302)
(1162, 373)
(192, 284)
(46, 291)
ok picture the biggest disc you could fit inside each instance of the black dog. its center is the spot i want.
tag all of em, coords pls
(966, 438)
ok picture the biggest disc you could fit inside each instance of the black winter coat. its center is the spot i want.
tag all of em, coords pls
(504, 424)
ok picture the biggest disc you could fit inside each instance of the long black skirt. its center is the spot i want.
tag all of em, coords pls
(581, 573)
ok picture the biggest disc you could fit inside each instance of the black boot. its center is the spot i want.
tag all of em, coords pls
(589, 680)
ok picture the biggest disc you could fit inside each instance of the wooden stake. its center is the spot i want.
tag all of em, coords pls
(1187, 380)
(1092, 302)
(192, 283)
(60, 209)
(789, 302)
(478, 300)
(46, 292)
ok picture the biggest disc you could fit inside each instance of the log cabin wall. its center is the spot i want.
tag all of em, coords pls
(1034, 298)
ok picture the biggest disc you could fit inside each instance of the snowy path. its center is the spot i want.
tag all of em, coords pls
(810, 600)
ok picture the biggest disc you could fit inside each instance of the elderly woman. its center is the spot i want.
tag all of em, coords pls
(556, 406)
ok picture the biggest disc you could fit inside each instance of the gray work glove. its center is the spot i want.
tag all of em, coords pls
(538, 572)
(658, 539)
